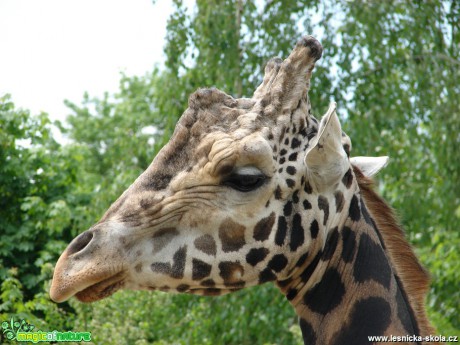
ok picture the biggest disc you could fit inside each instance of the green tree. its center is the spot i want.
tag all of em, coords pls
(36, 175)
(121, 134)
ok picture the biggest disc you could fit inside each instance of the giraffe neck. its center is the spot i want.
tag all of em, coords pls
(349, 289)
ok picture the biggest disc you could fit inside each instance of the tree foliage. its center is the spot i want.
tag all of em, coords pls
(393, 68)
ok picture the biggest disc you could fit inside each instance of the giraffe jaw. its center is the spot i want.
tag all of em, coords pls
(103, 289)
(90, 290)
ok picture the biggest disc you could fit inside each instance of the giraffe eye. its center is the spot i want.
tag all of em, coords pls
(245, 179)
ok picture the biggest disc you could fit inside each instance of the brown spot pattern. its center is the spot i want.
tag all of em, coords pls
(232, 235)
(206, 244)
(264, 227)
(200, 269)
(339, 201)
(178, 266)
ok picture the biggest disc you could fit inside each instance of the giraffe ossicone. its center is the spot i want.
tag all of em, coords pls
(256, 190)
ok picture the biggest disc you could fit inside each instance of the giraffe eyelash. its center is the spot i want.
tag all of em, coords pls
(245, 179)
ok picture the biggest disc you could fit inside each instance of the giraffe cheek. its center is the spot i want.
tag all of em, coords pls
(176, 268)
(198, 219)
(162, 238)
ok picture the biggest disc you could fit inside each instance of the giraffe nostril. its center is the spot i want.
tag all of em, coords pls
(80, 242)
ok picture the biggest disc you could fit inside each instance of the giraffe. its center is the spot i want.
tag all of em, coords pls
(256, 190)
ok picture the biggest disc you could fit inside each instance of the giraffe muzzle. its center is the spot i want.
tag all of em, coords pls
(87, 271)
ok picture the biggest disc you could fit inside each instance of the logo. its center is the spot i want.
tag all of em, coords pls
(22, 331)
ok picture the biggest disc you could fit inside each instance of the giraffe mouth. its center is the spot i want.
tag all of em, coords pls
(103, 289)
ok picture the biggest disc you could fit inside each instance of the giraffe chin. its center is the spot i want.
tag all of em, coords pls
(101, 290)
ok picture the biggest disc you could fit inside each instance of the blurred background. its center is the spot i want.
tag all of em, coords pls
(90, 91)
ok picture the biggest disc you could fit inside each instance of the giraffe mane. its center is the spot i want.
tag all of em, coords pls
(414, 278)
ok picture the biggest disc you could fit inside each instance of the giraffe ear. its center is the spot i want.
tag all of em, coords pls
(370, 166)
(326, 159)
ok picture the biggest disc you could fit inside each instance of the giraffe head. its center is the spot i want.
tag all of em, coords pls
(245, 192)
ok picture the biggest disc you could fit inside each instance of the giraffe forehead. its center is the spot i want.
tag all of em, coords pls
(190, 143)
(253, 148)
(219, 155)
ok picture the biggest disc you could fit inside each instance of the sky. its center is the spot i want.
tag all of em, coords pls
(51, 50)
